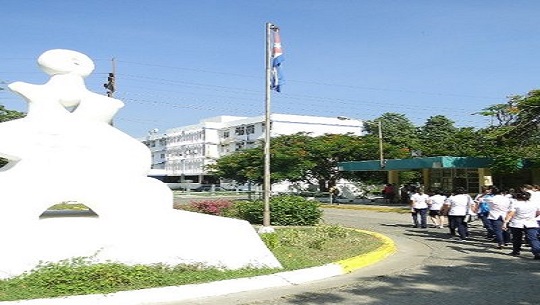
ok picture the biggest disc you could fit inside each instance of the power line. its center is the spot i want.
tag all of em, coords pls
(318, 83)
(252, 98)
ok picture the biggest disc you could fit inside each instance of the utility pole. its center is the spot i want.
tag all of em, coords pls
(381, 154)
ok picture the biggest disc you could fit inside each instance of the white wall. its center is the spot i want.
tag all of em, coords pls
(188, 149)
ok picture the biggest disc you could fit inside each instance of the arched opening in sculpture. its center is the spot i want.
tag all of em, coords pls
(68, 209)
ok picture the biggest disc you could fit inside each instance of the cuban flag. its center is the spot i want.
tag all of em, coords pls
(277, 58)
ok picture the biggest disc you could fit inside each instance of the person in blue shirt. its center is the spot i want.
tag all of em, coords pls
(481, 208)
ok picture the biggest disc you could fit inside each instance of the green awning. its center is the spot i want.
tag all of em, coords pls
(416, 163)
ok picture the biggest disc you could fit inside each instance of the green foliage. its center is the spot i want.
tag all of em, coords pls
(326, 151)
(506, 161)
(242, 166)
(271, 240)
(516, 136)
(308, 247)
(313, 239)
(410, 176)
(294, 211)
(295, 248)
(297, 157)
(291, 157)
(468, 142)
(437, 137)
(285, 210)
(69, 206)
(80, 276)
(249, 210)
(504, 114)
(398, 133)
(8, 115)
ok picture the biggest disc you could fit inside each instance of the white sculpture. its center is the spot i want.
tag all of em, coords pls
(65, 150)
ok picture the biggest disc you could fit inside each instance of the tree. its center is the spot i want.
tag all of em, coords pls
(8, 115)
(399, 135)
(242, 166)
(326, 151)
(468, 142)
(288, 161)
(439, 137)
(516, 135)
(297, 157)
(290, 157)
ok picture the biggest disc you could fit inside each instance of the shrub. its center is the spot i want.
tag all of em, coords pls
(213, 207)
(80, 276)
(286, 210)
(271, 240)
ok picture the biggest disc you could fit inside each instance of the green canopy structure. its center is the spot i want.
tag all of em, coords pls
(443, 172)
(415, 163)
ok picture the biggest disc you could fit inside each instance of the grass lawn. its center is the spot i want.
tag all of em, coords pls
(294, 247)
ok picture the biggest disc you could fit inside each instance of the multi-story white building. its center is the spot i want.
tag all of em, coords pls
(180, 154)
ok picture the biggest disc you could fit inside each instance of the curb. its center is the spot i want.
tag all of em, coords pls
(354, 263)
(212, 289)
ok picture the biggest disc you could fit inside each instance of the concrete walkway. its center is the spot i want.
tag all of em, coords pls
(428, 268)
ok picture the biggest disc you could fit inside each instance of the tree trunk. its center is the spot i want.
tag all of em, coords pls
(322, 185)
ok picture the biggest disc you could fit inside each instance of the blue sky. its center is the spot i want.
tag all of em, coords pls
(181, 61)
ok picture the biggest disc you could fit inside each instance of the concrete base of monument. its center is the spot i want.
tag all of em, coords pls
(176, 237)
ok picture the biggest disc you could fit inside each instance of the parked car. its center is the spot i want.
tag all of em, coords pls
(208, 188)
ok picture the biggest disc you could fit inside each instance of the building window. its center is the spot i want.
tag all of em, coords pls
(226, 134)
(240, 131)
(263, 124)
(250, 129)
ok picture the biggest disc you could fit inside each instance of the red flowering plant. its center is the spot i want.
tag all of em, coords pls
(213, 207)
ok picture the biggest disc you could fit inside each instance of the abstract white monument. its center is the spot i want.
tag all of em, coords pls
(65, 150)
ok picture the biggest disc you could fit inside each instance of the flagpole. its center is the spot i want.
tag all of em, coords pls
(267, 125)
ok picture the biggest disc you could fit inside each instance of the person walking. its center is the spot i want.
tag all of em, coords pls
(521, 218)
(419, 207)
(499, 205)
(460, 204)
(481, 208)
(534, 191)
(436, 202)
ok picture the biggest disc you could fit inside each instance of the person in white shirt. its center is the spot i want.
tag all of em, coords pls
(535, 198)
(521, 219)
(419, 207)
(499, 205)
(460, 204)
(436, 202)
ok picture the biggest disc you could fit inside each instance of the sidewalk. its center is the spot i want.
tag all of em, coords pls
(428, 268)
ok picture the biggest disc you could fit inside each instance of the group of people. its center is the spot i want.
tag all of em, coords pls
(508, 216)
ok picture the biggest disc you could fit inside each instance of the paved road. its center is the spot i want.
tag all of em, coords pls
(429, 268)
